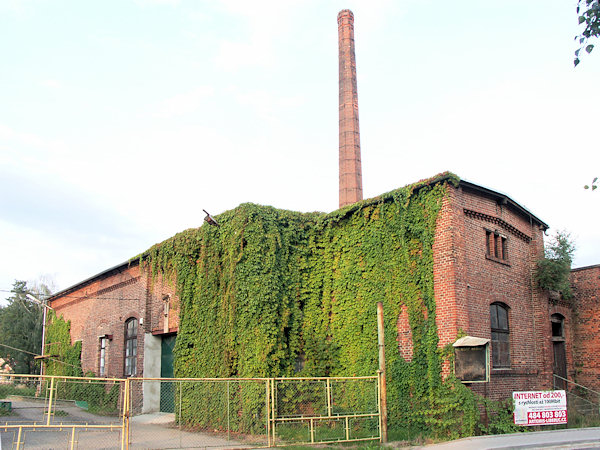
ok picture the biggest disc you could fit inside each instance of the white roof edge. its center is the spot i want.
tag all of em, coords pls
(470, 341)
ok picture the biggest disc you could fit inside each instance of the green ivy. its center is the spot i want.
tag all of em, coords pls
(279, 293)
(65, 358)
(102, 397)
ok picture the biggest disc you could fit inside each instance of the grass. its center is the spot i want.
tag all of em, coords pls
(9, 389)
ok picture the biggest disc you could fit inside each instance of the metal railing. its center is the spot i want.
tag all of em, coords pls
(84, 412)
(61, 412)
(583, 403)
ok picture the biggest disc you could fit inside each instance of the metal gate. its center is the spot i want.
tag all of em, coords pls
(85, 412)
(255, 412)
(61, 412)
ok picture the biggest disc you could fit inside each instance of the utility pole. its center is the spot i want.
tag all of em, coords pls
(383, 393)
(44, 305)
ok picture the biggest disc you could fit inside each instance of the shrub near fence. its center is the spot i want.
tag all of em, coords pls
(236, 405)
(311, 410)
(265, 411)
(98, 396)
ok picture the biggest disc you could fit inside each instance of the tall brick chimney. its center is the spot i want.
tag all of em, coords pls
(350, 166)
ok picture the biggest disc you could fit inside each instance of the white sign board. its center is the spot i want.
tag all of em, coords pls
(540, 407)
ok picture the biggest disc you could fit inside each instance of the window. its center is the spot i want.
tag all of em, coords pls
(471, 359)
(102, 361)
(496, 245)
(500, 335)
(558, 327)
(130, 346)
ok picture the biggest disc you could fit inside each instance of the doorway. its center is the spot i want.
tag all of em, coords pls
(558, 346)
(167, 388)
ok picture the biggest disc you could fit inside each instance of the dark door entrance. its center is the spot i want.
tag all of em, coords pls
(558, 345)
(560, 364)
(167, 389)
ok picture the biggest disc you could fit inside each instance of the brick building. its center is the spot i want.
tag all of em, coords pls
(585, 282)
(485, 252)
(126, 322)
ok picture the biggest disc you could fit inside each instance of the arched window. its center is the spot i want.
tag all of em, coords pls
(131, 330)
(500, 335)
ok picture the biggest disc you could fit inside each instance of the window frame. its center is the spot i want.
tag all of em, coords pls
(103, 344)
(496, 246)
(500, 336)
(560, 320)
(130, 347)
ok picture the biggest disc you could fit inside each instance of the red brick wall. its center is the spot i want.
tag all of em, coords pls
(586, 348)
(103, 305)
(467, 282)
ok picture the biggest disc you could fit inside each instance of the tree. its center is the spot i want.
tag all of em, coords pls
(21, 327)
(554, 268)
(592, 186)
(588, 12)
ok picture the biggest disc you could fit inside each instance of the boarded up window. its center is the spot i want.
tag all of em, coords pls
(471, 359)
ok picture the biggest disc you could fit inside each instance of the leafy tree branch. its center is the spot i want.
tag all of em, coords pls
(554, 269)
(588, 13)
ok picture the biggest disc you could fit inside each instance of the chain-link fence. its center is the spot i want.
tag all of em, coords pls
(252, 412)
(72, 412)
(199, 413)
(60, 412)
(325, 410)
(583, 403)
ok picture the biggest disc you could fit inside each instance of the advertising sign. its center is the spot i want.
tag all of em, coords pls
(540, 407)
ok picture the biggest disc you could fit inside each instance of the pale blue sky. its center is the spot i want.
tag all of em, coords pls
(121, 120)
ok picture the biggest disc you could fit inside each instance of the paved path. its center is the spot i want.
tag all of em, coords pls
(574, 438)
(148, 431)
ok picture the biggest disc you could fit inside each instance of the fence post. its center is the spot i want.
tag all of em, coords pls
(228, 412)
(72, 438)
(50, 399)
(125, 429)
(268, 408)
(328, 389)
(273, 406)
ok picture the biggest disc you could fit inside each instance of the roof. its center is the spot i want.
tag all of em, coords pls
(504, 199)
(594, 266)
(498, 196)
(115, 269)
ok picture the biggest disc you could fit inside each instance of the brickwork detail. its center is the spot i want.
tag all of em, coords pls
(466, 283)
(405, 343)
(497, 221)
(586, 349)
(101, 307)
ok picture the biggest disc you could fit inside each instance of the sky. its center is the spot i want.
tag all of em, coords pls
(120, 121)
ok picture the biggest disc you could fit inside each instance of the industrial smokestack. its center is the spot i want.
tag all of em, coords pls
(350, 165)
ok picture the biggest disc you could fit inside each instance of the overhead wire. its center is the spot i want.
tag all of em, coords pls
(35, 354)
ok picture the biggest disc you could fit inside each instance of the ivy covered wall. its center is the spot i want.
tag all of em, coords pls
(278, 293)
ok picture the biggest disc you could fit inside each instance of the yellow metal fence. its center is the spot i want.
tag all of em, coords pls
(61, 412)
(72, 412)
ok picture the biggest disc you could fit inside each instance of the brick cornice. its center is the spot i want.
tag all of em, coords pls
(497, 221)
(114, 287)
